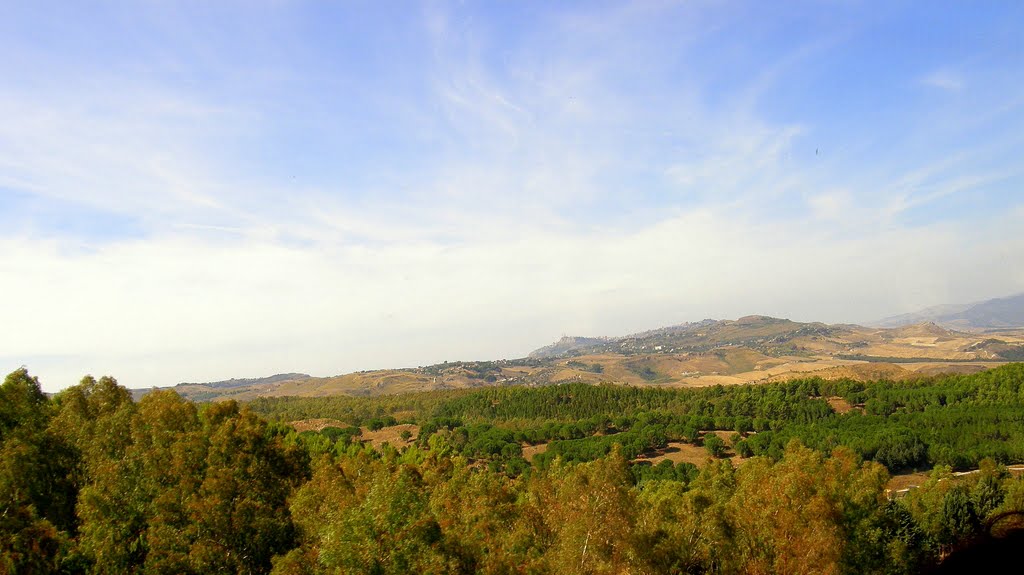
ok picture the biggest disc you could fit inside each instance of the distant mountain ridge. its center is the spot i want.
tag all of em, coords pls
(751, 349)
(567, 344)
(215, 389)
(753, 331)
(229, 383)
(998, 313)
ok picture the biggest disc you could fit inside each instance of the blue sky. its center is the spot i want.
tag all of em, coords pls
(196, 191)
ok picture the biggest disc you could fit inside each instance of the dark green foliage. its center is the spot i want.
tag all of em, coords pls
(714, 445)
(28, 544)
(743, 449)
(949, 420)
(665, 471)
(987, 494)
(959, 517)
(376, 423)
(23, 406)
(37, 489)
(344, 435)
(645, 372)
(876, 359)
(1015, 353)
(592, 368)
(956, 420)
(91, 482)
(392, 530)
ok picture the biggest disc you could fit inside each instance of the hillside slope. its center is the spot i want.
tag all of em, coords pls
(751, 349)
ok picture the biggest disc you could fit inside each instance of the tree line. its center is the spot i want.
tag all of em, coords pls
(94, 482)
(954, 420)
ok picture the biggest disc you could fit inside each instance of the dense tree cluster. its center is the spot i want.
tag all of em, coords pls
(954, 420)
(429, 511)
(93, 482)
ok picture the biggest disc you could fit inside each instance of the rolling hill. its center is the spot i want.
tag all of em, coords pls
(751, 349)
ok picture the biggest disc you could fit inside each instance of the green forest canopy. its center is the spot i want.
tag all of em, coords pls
(93, 482)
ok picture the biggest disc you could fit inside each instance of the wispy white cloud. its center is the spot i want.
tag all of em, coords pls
(581, 176)
(832, 204)
(142, 154)
(745, 160)
(927, 194)
(134, 303)
(947, 80)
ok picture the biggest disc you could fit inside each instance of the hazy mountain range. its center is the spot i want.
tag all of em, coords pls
(1000, 313)
(953, 338)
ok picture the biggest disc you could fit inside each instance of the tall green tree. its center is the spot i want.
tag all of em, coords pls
(36, 500)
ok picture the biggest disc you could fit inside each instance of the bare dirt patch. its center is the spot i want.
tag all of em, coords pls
(316, 424)
(678, 452)
(840, 405)
(906, 481)
(903, 481)
(530, 450)
(391, 435)
(724, 435)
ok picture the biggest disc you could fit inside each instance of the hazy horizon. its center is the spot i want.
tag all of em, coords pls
(195, 193)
